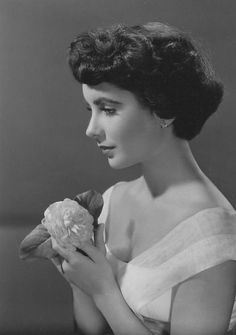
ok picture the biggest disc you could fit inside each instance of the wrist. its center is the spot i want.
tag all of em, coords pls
(108, 298)
(78, 293)
(118, 314)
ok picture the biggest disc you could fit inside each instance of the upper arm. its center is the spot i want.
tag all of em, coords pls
(202, 305)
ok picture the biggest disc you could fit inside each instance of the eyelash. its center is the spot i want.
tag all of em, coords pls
(108, 111)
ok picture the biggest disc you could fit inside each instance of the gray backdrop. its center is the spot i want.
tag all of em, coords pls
(45, 155)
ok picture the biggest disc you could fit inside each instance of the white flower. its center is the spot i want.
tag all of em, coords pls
(68, 223)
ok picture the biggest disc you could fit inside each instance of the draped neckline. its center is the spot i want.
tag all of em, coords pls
(183, 222)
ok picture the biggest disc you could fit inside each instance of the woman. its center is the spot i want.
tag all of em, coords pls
(167, 263)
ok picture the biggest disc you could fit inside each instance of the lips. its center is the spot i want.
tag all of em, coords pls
(103, 147)
(107, 150)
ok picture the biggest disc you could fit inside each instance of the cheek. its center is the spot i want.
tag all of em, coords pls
(137, 132)
(128, 132)
(132, 129)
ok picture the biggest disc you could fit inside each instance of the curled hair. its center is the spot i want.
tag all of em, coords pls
(158, 63)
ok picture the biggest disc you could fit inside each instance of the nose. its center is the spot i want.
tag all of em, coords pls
(94, 129)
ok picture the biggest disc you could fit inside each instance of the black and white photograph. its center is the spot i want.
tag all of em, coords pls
(118, 167)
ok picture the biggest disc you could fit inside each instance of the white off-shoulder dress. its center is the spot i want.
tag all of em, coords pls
(200, 242)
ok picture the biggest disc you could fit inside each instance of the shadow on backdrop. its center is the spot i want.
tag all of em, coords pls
(45, 154)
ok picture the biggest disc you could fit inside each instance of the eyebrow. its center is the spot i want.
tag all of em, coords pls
(103, 100)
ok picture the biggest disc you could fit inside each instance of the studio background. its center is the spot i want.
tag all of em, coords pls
(45, 155)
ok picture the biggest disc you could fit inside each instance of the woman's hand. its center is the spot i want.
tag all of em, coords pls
(93, 273)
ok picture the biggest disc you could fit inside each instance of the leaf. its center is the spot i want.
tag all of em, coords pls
(92, 201)
(37, 244)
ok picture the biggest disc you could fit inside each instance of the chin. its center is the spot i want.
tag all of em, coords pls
(118, 164)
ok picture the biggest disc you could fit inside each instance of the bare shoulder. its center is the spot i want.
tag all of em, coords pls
(217, 277)
(204, 194)
(204, 302)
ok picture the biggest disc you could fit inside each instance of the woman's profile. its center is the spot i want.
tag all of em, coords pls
(163, 259)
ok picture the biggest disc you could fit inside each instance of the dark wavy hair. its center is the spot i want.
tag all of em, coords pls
(160, 64)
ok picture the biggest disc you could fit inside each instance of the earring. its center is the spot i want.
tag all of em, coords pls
(165, 123)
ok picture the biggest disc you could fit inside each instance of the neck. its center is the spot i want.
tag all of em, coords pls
(173, 166)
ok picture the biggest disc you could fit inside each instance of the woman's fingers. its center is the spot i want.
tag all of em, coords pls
(95, 253)
(99, 238)
(64, 253)
(92, 252)
(68, 256)
(57, 261)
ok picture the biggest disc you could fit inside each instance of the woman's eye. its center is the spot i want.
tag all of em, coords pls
(106, 110)
(109, 111)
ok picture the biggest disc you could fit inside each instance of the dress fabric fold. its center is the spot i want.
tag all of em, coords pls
(202, 241)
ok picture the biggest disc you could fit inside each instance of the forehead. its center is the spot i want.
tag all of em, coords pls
(107, 91)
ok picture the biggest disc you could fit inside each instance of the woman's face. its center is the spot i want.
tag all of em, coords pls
(119, 121)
